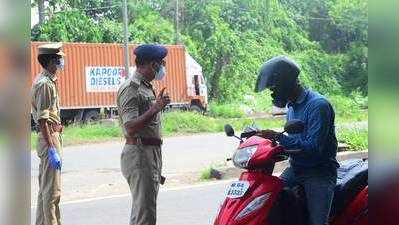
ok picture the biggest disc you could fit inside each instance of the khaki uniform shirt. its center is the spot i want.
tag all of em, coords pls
(45, 101)
(135, 97)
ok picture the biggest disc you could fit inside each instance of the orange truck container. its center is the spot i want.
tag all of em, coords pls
(93, 73)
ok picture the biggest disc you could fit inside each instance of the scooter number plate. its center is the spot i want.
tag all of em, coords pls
(237, 189)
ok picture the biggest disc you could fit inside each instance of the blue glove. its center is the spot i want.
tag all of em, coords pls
(54, 158)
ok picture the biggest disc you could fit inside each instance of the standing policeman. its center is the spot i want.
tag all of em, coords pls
(45, 110)
(139, 111)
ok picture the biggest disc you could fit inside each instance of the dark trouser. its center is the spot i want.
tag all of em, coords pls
(319, 187)
(141, 166)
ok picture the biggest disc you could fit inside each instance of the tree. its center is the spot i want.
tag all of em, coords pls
(354, 78)
(70, 26)
(232, 38)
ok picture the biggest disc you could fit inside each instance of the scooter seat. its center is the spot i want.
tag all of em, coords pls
(352, 177)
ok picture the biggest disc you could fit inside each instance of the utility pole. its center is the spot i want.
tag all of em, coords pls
(177, 37)
(40, 7)
(126, 47)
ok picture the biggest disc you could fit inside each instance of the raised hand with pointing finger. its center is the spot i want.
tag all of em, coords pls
(162, 100)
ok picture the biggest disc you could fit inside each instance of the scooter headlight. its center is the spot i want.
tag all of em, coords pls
(255, 204)
(243, 155)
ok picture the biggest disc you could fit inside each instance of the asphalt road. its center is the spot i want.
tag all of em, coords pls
(180, 154)
(195, 205)
(94, 170)
(94, 191)
(187, 205)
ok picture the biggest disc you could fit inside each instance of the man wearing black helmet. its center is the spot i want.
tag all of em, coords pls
(315, 167)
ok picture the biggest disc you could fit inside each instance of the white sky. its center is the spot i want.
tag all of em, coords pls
(34, 16)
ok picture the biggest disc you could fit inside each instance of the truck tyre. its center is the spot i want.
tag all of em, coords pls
(91, 116)
(196, 108)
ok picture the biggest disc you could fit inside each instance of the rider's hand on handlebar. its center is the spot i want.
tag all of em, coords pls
(269, 134)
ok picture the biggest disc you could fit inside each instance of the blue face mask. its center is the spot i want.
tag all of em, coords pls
(160, 73)
(60, 65)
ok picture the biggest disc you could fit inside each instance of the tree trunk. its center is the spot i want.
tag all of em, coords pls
(221, 62)
(177, 38)
(40, 7)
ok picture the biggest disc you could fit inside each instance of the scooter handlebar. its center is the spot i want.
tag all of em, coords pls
(248, 134)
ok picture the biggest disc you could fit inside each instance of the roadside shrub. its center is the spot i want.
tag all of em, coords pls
(225, 110)
(356, 139)
(206, 174)
(346, 108)
(187, 122)
(263, 102)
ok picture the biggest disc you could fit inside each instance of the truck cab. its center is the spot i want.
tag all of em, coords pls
(196, 85)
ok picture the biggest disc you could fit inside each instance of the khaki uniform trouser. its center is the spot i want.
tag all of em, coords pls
(142, 166)
(48, 199)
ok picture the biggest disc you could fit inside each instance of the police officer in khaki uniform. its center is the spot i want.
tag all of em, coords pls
(45, 110)
(139, 111)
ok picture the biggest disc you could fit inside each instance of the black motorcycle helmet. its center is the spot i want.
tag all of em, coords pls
(278, 74)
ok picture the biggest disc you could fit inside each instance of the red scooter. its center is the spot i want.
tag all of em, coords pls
(259, 198)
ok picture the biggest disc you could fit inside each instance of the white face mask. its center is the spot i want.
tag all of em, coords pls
(161, 73)
(61, 64)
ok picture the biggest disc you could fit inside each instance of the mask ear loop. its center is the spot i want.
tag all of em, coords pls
(57, 61)
(54, 61)
(157, 68)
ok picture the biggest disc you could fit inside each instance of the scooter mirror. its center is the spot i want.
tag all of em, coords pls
(294, 126)
(228, 129)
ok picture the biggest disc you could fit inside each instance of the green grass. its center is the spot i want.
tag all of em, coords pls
(190, 122)
(95, 132)
(205, 174)
(260, 102)
(225, 110)
(173, 123)
(185, 123)
(349, 109)
(85, 134)
(356, 139)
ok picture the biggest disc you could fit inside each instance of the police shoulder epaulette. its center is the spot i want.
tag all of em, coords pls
(42, 80)
(134, 81)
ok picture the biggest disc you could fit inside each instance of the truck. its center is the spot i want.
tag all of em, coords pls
(93, 72)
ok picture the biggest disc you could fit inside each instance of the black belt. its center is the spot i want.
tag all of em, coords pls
(143, 141)
(53, 128)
